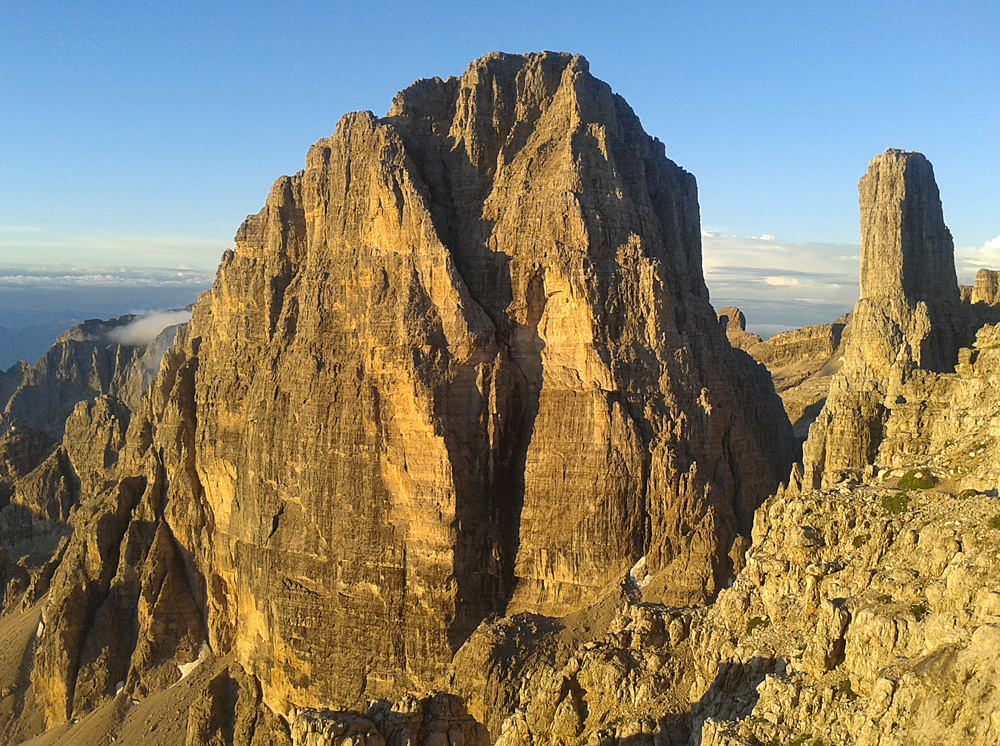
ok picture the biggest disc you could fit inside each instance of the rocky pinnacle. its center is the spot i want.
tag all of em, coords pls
(907, 318)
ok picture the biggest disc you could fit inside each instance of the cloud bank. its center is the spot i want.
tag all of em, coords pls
(144, 329)
(72, 276)
(969, 260)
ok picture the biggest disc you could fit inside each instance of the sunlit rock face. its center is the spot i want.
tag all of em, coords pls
(462, 365)
(909, 316)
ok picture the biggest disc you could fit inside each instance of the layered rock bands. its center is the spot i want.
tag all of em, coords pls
(462, 365)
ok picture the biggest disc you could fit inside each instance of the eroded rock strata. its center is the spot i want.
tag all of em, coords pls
(462, 365)
(801, 362)
(455, 451)
(909, 316)
(476, 338)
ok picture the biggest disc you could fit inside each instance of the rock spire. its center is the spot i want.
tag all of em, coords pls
(907, 318)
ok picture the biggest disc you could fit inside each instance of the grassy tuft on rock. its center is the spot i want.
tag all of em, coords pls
(896, 504)
(916, 479)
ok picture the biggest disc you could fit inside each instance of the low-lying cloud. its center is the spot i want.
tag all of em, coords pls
(144, 329)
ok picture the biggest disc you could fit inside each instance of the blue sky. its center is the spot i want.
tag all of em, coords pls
(142, 134)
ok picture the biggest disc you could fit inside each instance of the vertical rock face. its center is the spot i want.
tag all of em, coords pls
(908, 256)
(801, 363)
(986, 287)
(464, 363)
(736, 328)
(908, 316)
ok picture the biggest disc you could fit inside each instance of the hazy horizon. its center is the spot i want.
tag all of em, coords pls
(779, 285)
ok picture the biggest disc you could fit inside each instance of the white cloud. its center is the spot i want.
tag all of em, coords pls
(56, 276)
(969, 260)
(767, 237)
(143, 330)
(780, 284)
(785, 282)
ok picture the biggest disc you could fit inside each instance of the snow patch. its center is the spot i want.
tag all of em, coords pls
(41, 628)
(638, 573)
(118, 687)
(186, 668)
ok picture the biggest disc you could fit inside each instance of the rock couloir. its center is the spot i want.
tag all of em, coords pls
(457, 415)
(462, 365)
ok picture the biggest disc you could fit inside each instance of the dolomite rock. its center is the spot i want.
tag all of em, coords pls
(463, 364)
(986, 287)
(79, 367)
(946, 423)
(736, 329)
(908, 317)
(75, 528)
(855, 621)
(883, 627)
(436, 719)
(801, 363)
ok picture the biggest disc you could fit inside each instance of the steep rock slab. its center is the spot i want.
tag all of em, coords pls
(77, 529)
(909, 315)
(462, 364)
(947, 423)
(986, 287)
(82, 365)
(582, 243)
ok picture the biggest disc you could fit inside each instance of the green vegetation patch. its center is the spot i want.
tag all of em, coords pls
(896, 504)
(994, 522)
(884, 599)
(860, 540)
(966, 494)
(757, 621)
(919, 610)
(916, 479)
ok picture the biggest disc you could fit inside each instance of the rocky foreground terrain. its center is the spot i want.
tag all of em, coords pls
(456, 452)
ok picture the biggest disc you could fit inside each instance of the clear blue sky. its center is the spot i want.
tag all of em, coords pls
(142, 133)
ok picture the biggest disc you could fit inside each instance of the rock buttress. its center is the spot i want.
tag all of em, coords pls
(463, 364)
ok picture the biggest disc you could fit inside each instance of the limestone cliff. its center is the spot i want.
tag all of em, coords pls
(986, 287)
(909, 316)
(345, 463)
(63, 509)
(462, 364)
(736, 328)
(79, 367)
(801, 362)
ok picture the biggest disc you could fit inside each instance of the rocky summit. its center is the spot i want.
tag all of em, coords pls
(456, 451)
(463, 364)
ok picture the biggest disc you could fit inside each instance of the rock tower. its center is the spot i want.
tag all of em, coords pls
(462, 365)
(908, 317)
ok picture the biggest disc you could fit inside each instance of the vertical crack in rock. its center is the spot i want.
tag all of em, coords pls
(461, 365)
